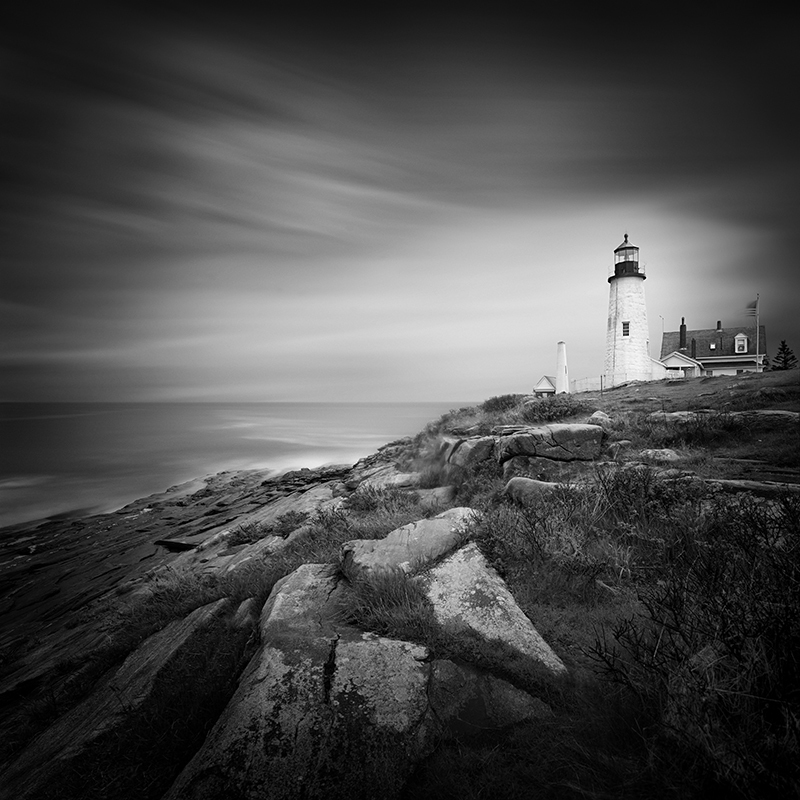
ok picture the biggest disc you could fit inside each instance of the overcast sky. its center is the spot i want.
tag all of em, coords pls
(230, 207)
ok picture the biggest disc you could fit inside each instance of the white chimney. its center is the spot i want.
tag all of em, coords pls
(562, 375)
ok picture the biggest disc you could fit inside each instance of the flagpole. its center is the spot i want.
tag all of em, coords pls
(758, 366)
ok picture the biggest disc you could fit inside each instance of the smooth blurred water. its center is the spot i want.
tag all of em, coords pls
(69, 458)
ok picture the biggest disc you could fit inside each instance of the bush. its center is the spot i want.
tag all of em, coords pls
(455, 418)
(718, 647)
(553, 409)
(479, 484)
(246, 533)
(368, 499)
(702, 429)
(250, 532)
(617, 530)
(388, 602)
(434, 475)
(500, 403)
(597, 748)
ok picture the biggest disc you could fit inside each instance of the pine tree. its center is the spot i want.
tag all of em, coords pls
(784, 358)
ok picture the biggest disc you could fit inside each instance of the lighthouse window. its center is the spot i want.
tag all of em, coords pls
(626, 329)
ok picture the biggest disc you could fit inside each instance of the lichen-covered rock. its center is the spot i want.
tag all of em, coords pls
(214, 553)
(469, 701)
(766, 417)
(408, 547)
(327, 711)
(445, 447)
(526, 491)
(380, 475)
(435, 499)
(544, 469)
(600, 418)
(323, 710)
(559, 441)
(472, 451)
(616, 448)
(663, 455)
(165, 680)
(761, 488)
(472, 602)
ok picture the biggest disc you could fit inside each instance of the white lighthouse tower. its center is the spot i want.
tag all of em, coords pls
(627, 336)
(562, 373)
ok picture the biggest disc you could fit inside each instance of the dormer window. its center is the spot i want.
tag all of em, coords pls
(712, 346)
(740, 343)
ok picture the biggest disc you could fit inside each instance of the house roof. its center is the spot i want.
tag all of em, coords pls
(724, 341)
(683, 357)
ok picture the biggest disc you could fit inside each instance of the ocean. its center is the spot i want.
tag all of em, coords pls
(73, 459)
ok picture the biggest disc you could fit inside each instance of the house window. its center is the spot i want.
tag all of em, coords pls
(712, 346)
(741, 343)
(626, 329)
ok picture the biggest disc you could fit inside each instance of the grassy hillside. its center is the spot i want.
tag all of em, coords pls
(674, 603)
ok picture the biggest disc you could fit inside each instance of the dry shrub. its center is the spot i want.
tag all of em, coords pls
(719, 644)
(390, 603)
(501, 403)
(553, 409)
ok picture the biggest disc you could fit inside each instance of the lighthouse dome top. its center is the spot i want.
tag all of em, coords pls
(626, 262)
(626, 245)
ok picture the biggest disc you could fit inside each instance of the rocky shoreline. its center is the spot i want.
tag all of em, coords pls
(52, 569)
(290, 694)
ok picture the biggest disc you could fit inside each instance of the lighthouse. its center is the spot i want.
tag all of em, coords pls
(627, 336)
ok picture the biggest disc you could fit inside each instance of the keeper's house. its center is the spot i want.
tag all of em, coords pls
(713, 351)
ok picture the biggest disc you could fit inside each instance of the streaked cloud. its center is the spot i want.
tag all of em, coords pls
(222, 209)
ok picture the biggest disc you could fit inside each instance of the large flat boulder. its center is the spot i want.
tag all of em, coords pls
(380, 475)
(323, 710)
(213, 554)
(559, 442)
(408, 547)
(435, 499)
(761, 488)
(600, 418)
(544, 469)
(132, 717)
(470, 701)
(762, 417)
(472, 603)
(768, 417)
(527, 491)
(468, 452)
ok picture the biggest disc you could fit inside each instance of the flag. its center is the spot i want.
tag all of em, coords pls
(752, 309)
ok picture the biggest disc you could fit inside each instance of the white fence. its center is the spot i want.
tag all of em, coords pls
(587, 385)
(601, 382)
